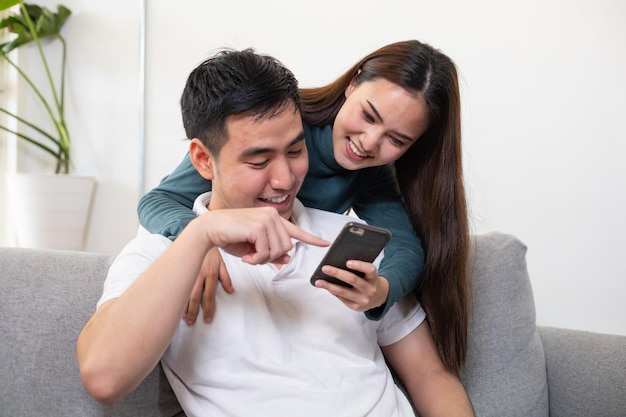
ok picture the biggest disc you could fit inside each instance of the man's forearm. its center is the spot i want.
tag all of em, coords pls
(442, 396)
(434, 391)
(127, 336)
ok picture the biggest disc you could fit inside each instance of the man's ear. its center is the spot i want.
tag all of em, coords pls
(201, 158)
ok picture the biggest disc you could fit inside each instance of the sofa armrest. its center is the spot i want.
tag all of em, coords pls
(46, 297)
(586, 372)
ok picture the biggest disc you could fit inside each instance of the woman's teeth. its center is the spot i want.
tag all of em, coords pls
(355, 150)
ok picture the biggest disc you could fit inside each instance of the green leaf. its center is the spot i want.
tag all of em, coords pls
(46, 24)
(16, 25)
(5, 4)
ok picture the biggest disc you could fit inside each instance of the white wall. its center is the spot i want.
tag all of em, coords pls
(543, 87)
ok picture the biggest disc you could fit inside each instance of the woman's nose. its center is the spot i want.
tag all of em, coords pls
(370, 140)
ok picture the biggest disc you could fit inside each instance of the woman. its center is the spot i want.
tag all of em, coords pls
(391, 121)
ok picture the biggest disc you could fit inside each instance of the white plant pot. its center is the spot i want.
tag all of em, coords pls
(51, 211)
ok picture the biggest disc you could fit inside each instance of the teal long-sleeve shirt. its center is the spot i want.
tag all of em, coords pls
(372, 193)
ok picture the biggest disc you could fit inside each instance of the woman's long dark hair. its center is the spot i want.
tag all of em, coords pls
(430, 176)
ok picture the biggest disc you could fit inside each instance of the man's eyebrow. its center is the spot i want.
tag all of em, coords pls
(261, 150)
(402, 135)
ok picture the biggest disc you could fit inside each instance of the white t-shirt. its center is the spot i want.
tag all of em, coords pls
(278, 346)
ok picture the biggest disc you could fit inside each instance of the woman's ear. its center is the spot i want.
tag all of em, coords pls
(201, 158)
(349, 89)
(352, 84)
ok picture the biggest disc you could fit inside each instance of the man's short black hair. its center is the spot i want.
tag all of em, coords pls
(234, 83)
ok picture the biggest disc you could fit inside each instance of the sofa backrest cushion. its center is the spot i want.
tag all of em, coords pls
(505, 373)
(46, 297)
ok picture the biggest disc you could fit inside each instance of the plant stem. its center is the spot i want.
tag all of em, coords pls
(33, 141)
(63, 60)
(31, 125)
(63, 142)
(33, 30)
(33, 86)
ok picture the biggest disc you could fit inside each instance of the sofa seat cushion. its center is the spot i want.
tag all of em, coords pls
(585, 372)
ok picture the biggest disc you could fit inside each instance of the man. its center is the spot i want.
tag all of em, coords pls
(278, 346)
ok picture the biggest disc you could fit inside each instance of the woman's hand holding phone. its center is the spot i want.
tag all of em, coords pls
(347, 271)
(365, 293)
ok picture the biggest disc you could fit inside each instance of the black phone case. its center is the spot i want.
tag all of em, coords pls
(355, 241)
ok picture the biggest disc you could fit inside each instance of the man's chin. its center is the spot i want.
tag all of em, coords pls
(286, 213)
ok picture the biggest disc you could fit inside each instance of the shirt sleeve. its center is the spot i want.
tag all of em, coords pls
(380, 204)
(403, 317)
(167, 208)
(131, 262)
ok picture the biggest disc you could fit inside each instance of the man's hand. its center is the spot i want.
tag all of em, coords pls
(268, 233)
(366, 293)
(256, 235)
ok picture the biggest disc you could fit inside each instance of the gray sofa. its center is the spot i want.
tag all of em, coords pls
(514, 368)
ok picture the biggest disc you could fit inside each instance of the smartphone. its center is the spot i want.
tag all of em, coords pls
(355, 241)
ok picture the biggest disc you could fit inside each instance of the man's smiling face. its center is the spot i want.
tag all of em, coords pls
(263, 163)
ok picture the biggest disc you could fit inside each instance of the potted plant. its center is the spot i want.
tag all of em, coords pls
(67, 196)
(32, 24)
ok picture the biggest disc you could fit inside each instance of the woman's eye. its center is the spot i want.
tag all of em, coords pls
(368, 117)
(297, 152)
(396, 141)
